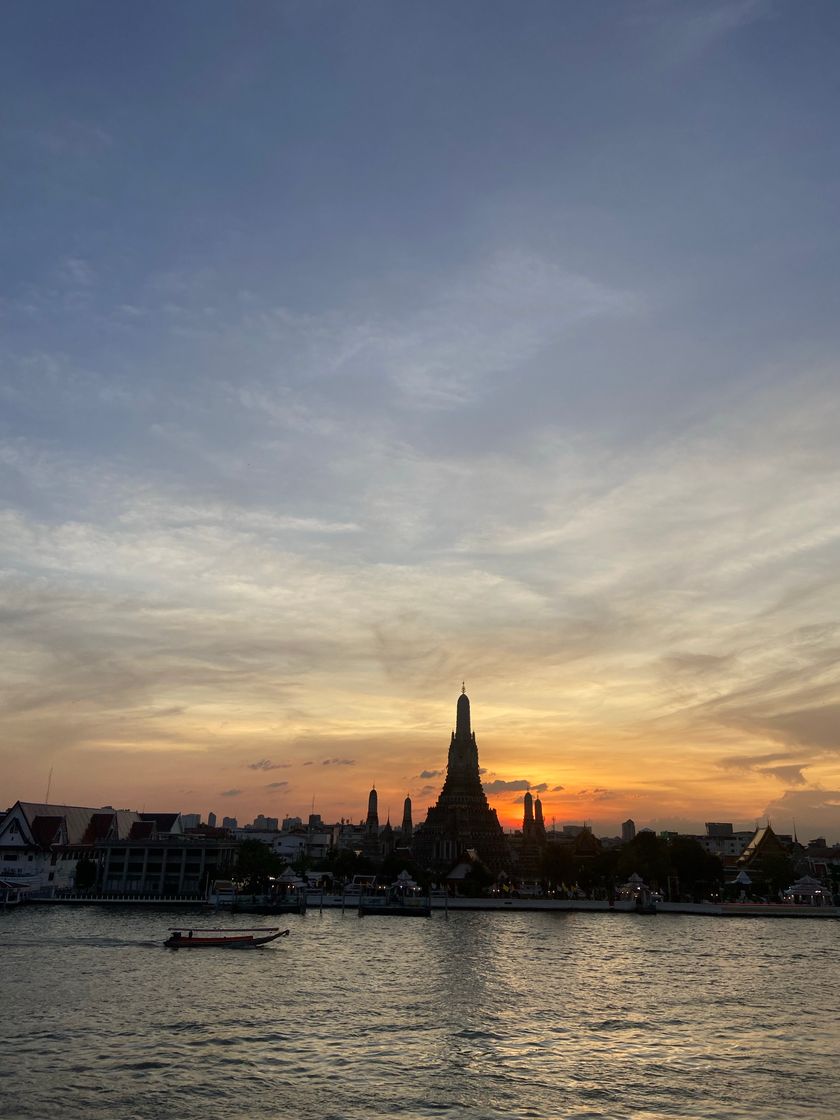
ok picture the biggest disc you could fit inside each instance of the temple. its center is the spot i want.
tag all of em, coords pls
(370, 843)
(461, 822)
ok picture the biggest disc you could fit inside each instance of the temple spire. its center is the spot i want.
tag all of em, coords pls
(462, 723)
(407, 826)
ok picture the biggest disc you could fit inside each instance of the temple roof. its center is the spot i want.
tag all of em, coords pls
(764, 842)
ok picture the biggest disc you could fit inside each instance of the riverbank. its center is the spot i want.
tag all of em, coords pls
(442, 903)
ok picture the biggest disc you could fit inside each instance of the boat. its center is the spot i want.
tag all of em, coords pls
(222, 938)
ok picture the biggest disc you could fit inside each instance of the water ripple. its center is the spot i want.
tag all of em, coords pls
(479, 1017)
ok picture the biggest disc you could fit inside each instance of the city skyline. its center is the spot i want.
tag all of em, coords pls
(352, 351)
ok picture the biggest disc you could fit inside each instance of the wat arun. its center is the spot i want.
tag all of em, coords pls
(461, 824)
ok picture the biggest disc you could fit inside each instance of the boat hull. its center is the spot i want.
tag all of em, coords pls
(244, 942)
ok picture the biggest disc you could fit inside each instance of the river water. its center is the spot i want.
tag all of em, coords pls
(475, 1016)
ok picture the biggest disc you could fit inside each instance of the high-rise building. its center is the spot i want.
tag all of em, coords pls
(229, 822)
(461, 822)
(211, 820)
(628, 831)
(266, 824)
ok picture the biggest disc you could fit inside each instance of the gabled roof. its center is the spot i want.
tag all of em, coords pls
(78, 820)
(164, 822)
(47, 831)
(765, 842)
(100, 827)
(586, 843)
(142, 830)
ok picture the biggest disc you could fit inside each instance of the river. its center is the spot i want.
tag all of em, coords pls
(476, 1017)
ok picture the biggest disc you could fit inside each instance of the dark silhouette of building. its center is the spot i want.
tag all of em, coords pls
(370, 843)
(461, 820)
(539, 823)
(532, 844)
(407, 826)
(529, 848)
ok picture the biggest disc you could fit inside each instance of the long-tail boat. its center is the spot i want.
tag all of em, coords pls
(237, 938)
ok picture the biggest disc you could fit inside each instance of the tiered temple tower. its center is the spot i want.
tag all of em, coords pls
(461, 821)
(539, 823)
(533, 838)
(370, 844)
(407, 826)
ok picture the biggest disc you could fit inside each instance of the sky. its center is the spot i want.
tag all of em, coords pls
(352, 351)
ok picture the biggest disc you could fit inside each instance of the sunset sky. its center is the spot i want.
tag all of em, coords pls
(352, 350)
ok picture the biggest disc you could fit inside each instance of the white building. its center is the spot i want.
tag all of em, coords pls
(40, 844)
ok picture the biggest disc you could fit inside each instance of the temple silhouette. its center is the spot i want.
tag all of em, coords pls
(461, 824)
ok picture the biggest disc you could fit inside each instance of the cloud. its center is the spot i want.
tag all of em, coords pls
(557, 789)
(430, 773)
(599, 793)
(230, 793)
(684, 33)
(339, 762)
(500, 786)
(267, 764)
(751, 761)
(277, 785)
(818, 807)
(789, 775)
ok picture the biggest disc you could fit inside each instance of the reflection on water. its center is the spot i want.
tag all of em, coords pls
(480, 1016)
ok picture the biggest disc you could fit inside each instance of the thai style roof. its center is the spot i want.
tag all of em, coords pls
(46, 830)
(164, 822)
(765, 842)
(142, 830)
(81, 825)
(100, 827)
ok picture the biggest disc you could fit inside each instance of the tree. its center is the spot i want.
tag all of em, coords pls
(771, 873)
(646, 855)
(86, 874)
(695, 869)
(557, 866)
(255, 865)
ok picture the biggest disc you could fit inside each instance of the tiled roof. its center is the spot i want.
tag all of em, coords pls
(79, 823)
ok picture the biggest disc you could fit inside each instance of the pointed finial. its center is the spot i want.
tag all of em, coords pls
(463, 688)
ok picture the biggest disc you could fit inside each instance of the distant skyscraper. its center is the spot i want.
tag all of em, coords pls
(718, 829)
(229, 822)
(211, 819)
(407, 826)
(628, 831)
(461, 821)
